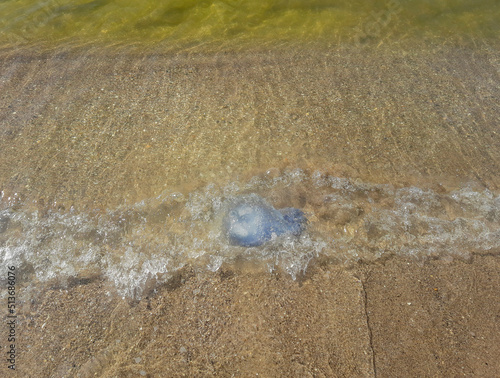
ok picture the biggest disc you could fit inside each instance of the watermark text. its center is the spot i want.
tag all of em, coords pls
(11, 317)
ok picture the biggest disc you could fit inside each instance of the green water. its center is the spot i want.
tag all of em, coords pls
(238, 23)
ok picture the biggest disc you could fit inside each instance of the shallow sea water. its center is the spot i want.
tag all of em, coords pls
(188, 24)
(350, 220)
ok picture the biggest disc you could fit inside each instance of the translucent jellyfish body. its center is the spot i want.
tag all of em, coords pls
(250, 221)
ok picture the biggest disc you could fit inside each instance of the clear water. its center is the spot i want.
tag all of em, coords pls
(237, 23)
(349, 221)
(149, 240)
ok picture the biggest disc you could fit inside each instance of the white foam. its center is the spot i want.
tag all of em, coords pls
(349, 221)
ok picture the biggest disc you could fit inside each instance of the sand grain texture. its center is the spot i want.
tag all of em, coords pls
(96, 130)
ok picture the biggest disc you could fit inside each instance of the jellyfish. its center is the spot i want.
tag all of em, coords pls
(250, 221)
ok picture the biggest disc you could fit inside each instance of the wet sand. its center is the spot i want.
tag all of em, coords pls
(391, 319)
(97, 130)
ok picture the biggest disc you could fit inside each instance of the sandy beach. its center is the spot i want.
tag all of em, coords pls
(392, 319)
(95, 131)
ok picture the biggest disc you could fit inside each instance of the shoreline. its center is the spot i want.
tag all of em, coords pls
(94, 133)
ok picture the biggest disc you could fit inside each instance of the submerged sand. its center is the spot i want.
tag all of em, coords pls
(101, 129)
(96, 130)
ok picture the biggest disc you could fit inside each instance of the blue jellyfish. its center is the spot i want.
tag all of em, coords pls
(251, 221)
